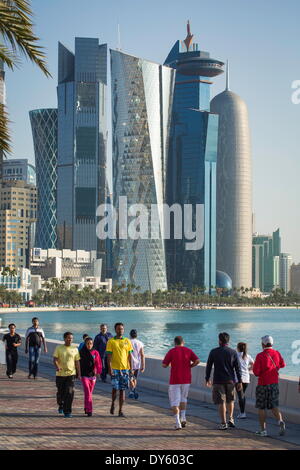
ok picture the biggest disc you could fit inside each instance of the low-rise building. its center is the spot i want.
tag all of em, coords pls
(19, 282)
(77, 267)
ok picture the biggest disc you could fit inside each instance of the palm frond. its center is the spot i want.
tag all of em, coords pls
(16, 28)
(5, 139)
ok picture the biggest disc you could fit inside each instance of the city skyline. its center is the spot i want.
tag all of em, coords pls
(266, 91)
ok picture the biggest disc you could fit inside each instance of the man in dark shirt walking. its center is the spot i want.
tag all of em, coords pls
(226, 363)
(100, 343)
(13, 341)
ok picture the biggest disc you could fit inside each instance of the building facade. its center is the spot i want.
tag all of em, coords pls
(44, 133)
(19, 170)
(285, 263)
(82, 135)
(142, 94)
(234, 188)
(78, 268)
(265, 261)
(18, 211)
(295, 278)
(19, 282)
(192, 161)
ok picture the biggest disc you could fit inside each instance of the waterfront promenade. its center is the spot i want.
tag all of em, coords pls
(29, 420)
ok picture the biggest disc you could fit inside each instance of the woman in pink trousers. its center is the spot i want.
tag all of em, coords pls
(91, 366)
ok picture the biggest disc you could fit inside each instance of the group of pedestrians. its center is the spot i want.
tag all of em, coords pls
(117, 356)
(123, 358)
(231, 374)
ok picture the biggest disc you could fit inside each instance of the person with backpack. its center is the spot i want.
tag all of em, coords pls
(266, 367)
(34, 339)
(246, 362)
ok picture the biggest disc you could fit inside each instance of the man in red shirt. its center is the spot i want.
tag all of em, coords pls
(266, 368)
(181, 359)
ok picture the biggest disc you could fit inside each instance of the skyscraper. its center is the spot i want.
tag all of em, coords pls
(44, 132)
(234, 189)
(193, 159)
(142, 94)
(82, 135)
(265, 261)
(285, 263)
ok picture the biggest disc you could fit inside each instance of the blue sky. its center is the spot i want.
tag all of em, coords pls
(261, 39)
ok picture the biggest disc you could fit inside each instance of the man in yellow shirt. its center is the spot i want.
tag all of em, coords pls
(118, 350)
(66, 359)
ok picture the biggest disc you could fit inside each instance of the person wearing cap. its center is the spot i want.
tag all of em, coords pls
(137, 362)
(266, 367)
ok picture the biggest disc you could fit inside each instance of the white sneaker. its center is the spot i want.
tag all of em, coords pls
(177, 426)
(262, 433)
(242, 416)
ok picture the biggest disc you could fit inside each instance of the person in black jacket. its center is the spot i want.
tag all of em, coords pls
(100, 343)
(226, 363)
(13, 341)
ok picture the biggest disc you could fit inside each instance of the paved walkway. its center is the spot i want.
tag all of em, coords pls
(29, 420)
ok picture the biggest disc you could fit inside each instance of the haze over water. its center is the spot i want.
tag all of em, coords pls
(157, 328)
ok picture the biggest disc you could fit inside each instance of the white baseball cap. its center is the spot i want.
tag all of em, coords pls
(267, 340)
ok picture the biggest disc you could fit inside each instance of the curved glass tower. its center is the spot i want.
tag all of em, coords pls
(234, 189)
(44, 132)
(142, 94)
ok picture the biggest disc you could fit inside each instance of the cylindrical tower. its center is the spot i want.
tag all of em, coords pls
(44, 132)
(234, 189)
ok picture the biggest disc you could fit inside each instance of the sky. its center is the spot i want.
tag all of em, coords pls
(261, 40)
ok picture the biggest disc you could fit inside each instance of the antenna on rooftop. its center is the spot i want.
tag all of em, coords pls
(119, 38)
(227, 76)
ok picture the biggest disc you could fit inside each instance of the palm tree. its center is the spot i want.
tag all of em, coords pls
(16, 30)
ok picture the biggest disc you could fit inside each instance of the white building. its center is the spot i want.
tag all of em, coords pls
(78, 268)
(20, 283)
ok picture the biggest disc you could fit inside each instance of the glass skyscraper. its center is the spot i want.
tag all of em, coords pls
(265, 261)
(82, 136)
(192, 160)
(142, 94)
(44, 133)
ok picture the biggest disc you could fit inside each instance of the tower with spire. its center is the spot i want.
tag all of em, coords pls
(191, 175)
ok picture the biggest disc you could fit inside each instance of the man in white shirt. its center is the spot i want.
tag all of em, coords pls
(34, 338)
(137, 362)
